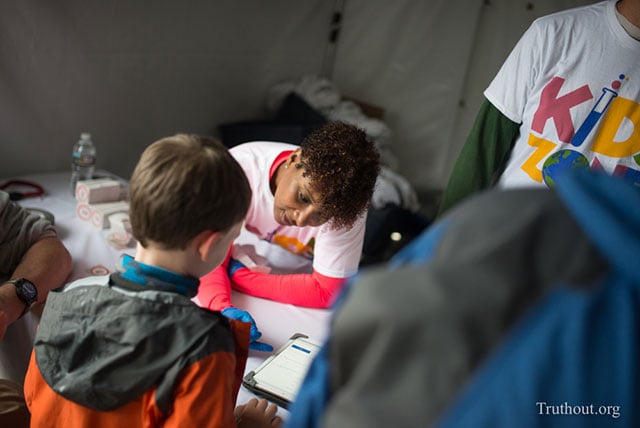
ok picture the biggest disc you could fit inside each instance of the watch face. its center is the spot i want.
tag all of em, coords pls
(27, 292)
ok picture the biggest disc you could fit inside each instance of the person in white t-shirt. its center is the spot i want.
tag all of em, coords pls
(566, 97)
(310, 200)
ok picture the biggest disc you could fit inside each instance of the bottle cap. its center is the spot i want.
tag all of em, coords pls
(85, 136)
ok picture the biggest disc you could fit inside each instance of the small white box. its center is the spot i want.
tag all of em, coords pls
(98, 190)
(98, 214)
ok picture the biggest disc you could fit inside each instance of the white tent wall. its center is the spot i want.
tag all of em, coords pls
(131, 72)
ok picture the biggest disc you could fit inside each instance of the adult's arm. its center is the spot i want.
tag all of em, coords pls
(29, 248)
(47, 265)
(483, 155)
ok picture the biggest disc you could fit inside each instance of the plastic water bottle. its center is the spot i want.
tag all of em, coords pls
(83, 160)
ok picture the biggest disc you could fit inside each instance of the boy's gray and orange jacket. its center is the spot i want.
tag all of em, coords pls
(108, 357)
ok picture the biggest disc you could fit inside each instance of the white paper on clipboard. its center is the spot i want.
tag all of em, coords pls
(280, 376)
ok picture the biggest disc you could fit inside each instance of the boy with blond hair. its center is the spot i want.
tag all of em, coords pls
(136, 351)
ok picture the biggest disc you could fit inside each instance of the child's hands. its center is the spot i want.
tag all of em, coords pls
(257, 414)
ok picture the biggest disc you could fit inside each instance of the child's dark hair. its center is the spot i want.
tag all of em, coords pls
(342, 165)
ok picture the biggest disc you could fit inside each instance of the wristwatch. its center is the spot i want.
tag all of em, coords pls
(26, 291)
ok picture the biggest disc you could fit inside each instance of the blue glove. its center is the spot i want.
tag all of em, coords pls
(244, 316)
(234, 265)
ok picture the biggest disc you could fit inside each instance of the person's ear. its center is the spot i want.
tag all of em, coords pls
(294, 157)
(204, 243)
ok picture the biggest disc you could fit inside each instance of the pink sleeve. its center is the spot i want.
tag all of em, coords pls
(215, 288)
(310, 290)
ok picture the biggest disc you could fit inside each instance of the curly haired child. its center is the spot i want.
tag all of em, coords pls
(310, 200)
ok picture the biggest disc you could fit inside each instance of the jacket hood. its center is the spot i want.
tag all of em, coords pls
(102, 347)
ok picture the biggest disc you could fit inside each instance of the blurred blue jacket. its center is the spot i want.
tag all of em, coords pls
(518, 308)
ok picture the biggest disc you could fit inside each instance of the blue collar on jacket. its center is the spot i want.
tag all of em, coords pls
(156, 278)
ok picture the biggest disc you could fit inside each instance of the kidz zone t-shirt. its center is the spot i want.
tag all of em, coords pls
(573, 82)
